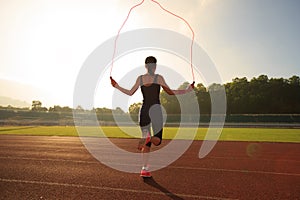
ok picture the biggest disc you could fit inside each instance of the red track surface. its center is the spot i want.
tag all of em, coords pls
(33, 167)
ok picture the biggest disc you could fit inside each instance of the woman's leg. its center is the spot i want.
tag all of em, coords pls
(144, 121)
(156, 140)
(145, 143)
(157, 123)
(145, 157)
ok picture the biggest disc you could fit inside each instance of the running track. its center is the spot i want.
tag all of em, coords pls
(35, 167)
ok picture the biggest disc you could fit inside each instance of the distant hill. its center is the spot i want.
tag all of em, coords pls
(19, 94)
(6, 101)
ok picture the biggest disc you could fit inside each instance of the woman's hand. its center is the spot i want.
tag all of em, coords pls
(113, 82)
(191, 87)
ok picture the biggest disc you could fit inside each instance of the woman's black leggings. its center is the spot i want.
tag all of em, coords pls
(151, 115)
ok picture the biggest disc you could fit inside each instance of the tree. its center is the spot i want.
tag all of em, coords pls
(237, 95)
(37, 106)
(134, 109)
(203, 98)
(103, 111)
(294, 81)
(170, 103)
(119, 110)
(57, 108)
(293, 95)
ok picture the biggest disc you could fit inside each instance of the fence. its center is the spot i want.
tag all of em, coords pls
(21, 117)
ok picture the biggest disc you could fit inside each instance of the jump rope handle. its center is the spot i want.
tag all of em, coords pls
(193, 84)
(113, 82)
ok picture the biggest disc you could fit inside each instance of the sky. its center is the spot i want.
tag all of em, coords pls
(44, 43)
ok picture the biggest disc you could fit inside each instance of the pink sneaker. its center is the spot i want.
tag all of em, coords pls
(145, 173)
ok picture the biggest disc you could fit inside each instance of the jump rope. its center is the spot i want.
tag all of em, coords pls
(133, 7)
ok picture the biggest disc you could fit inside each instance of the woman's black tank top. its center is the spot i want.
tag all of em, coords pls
(151, 92)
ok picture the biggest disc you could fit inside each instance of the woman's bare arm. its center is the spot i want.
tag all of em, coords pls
(124, 90)
(169, 91)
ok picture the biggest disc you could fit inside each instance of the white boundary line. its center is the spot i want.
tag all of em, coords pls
(109, 188)
(247, 158)
(173, 167)
(238, 170)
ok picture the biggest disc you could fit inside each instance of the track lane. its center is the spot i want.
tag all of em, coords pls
(52, 167)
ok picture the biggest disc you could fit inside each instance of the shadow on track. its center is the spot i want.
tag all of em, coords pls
(153, 183)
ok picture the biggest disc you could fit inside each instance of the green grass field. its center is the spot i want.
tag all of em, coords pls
(228, 134)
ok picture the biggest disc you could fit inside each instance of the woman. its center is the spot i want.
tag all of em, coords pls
(150, 112)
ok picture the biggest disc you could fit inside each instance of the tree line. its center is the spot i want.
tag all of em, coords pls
(260, 95)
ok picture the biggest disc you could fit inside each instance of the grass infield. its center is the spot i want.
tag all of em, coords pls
(228, 134)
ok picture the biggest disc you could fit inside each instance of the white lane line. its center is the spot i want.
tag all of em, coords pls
(111, 188)
(173, 167)
(256, 159)
(236, 170)
(50, 159)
